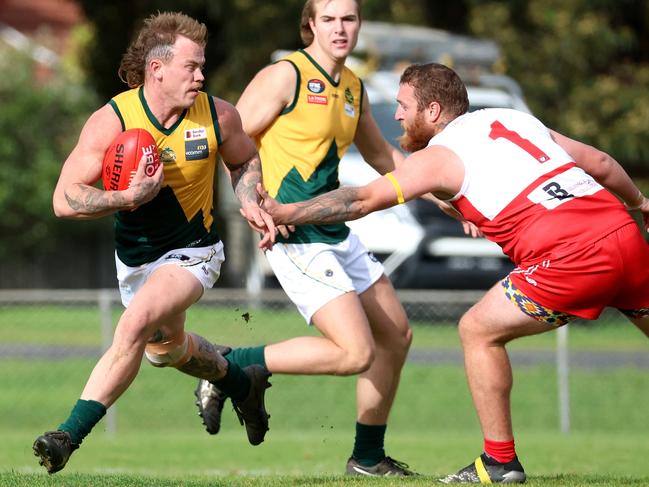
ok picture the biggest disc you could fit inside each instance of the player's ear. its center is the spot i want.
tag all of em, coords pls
(155, 68)
(433, 111)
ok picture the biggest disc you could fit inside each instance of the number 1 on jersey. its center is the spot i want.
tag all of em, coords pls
(498, 130)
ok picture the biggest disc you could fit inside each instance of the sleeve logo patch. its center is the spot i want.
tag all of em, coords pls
(315, 85)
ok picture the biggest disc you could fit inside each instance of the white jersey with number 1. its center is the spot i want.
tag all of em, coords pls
(523, 190)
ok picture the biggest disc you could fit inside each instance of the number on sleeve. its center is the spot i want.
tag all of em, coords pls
(498, 130)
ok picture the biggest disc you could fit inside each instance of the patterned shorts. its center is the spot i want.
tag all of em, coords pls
(609, 273)
(534, 309)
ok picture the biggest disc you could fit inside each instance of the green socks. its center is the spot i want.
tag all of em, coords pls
(84, 416)
(247, 356)
(235, 384)
(368, 445)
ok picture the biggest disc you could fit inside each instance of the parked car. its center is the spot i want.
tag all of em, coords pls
(421, 247)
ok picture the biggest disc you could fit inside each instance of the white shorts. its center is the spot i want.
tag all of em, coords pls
(203, 262)
(315, 273)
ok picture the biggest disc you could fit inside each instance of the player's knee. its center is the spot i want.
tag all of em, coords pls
(132, 331)
(357, 361)
(473, 331)
(396, 347)
(405, 339)
(174, 351)
(467, 328)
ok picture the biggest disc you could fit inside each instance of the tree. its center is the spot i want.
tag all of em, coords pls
(583, 64)
(38, 128)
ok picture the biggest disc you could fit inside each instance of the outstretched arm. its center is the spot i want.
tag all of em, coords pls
(435, 169)
(343, 204)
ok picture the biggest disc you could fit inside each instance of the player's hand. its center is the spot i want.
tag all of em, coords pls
(285, 230)
(268, 203)
(260, 221)
(144, 188)
(471, 229)
(273, 208)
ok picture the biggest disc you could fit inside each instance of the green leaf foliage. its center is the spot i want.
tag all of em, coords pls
(42, 114)
(583, 65)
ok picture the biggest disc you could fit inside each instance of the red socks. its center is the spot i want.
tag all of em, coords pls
(501, 451)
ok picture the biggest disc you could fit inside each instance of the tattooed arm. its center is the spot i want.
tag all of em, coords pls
(432, 170)
(244, 166)
(75, 195)
(340, 205)
(244, 179)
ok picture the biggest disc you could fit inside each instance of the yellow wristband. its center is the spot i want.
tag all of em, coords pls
(397, 187)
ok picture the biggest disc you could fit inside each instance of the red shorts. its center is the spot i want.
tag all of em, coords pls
(613, 271)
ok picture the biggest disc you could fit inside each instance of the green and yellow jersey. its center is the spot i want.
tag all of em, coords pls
(301, 149)
(181, 215)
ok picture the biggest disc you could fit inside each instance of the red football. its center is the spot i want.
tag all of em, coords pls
(123, 155)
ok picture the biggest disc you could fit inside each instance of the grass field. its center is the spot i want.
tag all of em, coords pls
(79, 326)
(160, 442)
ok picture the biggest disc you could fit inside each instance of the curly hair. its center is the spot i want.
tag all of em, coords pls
(156, 39)
(436, 82)
(308, 13)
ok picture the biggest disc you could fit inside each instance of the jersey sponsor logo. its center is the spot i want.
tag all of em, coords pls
(570, 184)
(167, 155)
(349, 110)
(317, 99)
(196, 150)
(196, 146)
(315, 85)
(196, 133)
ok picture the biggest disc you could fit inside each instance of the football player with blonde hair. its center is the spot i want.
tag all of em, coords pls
(168, 251)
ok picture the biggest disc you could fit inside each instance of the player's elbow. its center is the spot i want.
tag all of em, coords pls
(597, 163)
(61, 210)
